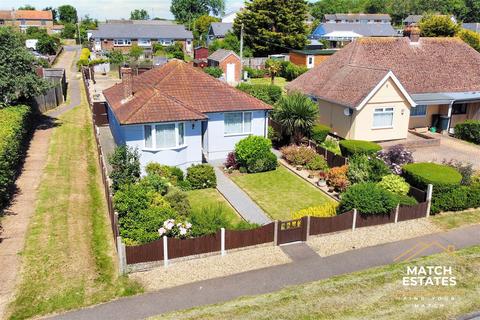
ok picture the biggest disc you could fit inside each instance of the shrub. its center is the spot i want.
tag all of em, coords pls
(395, 184)
(465, 169)
(422, 174)
(298, 155)
(455, 198)
(184, 185)
(275, 136)
(337, 178)
(364, 168)
(215, 72)
(470, 37)
(83, 59)
(351, 147)
(368, 198)
(125, 163)
(231, 161)
(172, 174)
(255, 73)
(268, 93)
(396, 157)
(469, 131)
(291, 71)
(156, 183)
(179, 201)
(266, 162)
(475, 178)
(332, 145)
(251, 148)
(201, 176)
(14, 128)
(318, 162)
(405, 200)
(209, 219)
(319, 133)
(325, 210)
(175, 229)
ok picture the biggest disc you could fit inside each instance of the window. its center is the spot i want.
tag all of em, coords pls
(383, 118)
(164, 136)
(238, 123)
(144, 42)
(418, 111)
(22, 22)
(459, 108)
(43, 22)
(165, 42)
(122, 42)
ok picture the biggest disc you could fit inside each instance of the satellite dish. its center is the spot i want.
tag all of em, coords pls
(348, 112)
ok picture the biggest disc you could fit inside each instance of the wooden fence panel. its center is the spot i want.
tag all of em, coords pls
(412, 212)
(364, 220)
(244, 238)
(333, 160)
(341, 222)
(186, 247)
(418, 194)
(148, 252)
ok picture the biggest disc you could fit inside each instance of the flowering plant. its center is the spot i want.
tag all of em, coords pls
(172, 229)
(396, 157)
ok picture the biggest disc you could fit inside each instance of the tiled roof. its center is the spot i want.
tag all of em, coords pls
(176, 92)
(413, 18)
(138, 30)
(364, 29)
(5, 14)
(358, 16)
(220, 29)
(33, 14)
(432, 65)
(220, 54)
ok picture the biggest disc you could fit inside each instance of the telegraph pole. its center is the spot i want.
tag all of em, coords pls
(241, 52)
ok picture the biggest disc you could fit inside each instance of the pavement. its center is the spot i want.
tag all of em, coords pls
(304, 268)
(244, 205)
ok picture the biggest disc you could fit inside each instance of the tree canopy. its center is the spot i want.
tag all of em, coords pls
(201, 26)
(139, 14)
(272, 26)
(230, 42)
(26, 7)
(438, 26)
(185, 11)
(18, 79)
(67, 14)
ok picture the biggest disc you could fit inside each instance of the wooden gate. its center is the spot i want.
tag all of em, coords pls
(292, 230)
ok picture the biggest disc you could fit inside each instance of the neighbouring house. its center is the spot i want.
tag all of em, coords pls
(122, 35)
(340, 34)
(200, 57)
(178, 115)
(218, 30)
(231, 16)
(23, 19)
(229, 62)
(377, 89)
(57, 28)
(412, 20)
(357, 18)
(310, 57)
(472, 26)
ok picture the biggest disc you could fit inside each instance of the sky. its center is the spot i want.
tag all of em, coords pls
(110, 9)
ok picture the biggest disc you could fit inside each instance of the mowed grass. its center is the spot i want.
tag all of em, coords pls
(279, 81)
(205, 198)
(280, 192)
(376, 293)
(68, 259)
(452, 220)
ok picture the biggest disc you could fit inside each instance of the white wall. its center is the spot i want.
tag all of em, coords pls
(220, 145)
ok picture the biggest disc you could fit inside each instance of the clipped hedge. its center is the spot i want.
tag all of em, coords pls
(268, 93)
(468, 131)
(455, 198)
(328, 209)
(215, 72)
(351, 147)
(369, 199)
(14, 127)
(422, 174)
(319, 133)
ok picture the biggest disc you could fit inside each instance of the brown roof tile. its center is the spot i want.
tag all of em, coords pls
(432, 65)
(5, 14)
(33, 14)
(175, 92)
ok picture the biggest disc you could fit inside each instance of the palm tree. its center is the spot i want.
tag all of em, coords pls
(273, 67)
(296, 113)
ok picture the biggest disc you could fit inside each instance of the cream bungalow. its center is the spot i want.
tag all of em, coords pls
(377, 89)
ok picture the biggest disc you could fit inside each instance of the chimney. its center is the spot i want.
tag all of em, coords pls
(414, 34)
(127, 82)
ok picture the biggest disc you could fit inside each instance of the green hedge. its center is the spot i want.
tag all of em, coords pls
(369, 199)
(319, 133)
(422, 174)
(268, 93)
(253, 154)
(469, 131)
(201, 176)
(455, 198)
(14, 127)
(351, 147)
(215, 72)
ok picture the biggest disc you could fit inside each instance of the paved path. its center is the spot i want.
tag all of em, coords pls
(245, 206)
(269, 279)
(15, 223)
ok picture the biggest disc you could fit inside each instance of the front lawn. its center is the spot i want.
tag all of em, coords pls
(205, 198)
(452, 220)
(280, 192)
(279, 81)
(376, 293)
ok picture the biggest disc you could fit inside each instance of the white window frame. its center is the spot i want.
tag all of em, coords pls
(381, 111)
(166, 42)
(154, 136)
(243, 132)
(419, 115)
(122, 42)
(144, 42)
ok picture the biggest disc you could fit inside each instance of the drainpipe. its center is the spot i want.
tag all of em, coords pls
(265, 133)
(450, 107)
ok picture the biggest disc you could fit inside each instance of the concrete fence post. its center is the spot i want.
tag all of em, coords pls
(429, 199)
(122, 256)
(275, 233)
(165, 251)
(354, 222)
(397, 209)
(222, 241)
(115, 223)
(308, 228)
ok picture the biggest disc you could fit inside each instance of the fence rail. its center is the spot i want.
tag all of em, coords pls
(333, 160)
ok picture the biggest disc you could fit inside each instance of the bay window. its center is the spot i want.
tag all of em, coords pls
(164, 135)
(238, 123)
(383, 118)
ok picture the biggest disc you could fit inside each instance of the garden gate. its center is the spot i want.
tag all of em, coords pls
(292, 230)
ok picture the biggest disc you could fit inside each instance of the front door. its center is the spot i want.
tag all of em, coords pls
(231, 72)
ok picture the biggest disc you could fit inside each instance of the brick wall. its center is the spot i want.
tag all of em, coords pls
(232, 59)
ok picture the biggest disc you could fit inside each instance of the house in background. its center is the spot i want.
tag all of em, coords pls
(377, 89)
(310, 57)
(177, 115)
(218, 30)
(200, 57)
(357, 18)
(123, 34)
(231, 16)
(472, 26)
(412, 20)
(23, 19)
(229, 62)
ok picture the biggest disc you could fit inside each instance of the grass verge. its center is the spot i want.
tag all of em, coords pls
(280, 193)
(205, 198)
(68, 259)
(376, 293)
(453, 220)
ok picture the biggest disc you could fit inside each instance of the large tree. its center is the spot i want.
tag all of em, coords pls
(186, 11)
(139, 14)
(272, 26)
(472, 11)
(438, 26)
(67, 14)
(26, 7)
(201, 26)
(18, 79)
(320, 8)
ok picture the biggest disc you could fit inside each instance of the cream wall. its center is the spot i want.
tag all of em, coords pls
(331, 114)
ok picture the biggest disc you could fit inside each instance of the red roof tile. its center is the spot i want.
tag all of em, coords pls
(175, 92)
(5, 14)
(33, 14)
